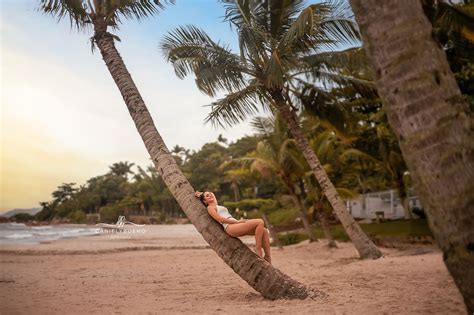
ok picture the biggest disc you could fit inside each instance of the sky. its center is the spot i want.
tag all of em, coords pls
(63, 118)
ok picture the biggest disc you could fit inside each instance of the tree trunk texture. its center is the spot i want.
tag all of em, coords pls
(432, 122)
(361, 241)
(263, 277)
(323, 219)
(273, 234)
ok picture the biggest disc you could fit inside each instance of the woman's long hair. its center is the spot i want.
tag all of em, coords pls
(201, 197)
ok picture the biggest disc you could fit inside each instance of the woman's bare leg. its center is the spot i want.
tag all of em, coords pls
(266, 245)
(250, 227)
(258, 238)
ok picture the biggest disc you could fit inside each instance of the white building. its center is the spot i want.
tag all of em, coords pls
(385, 201)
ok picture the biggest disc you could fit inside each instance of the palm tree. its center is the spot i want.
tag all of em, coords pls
(232, 177)
(102, 14)
(281, 45)
(64, 192)
(387, 160)
(330, 150)
(273, 157)
(432, 122)
(121, 169)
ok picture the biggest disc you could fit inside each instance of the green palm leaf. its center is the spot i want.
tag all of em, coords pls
(191, 50)
(235, 107)
(82, 13)
(75, 10)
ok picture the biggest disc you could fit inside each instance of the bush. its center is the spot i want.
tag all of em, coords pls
(110, 213)
(23, 217)
(77, 216)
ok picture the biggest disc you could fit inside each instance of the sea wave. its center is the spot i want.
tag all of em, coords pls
(19, 233)
(15, 236)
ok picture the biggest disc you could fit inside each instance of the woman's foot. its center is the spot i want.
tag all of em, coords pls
(268, 258)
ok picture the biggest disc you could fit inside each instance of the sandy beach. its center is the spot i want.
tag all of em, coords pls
(170, 269)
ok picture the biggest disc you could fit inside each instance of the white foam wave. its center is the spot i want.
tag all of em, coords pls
(17, 236)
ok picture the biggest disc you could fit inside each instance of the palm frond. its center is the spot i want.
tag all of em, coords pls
(301, 30)
(346, 193)
(457, 18)
(359, 155)
(290, 157)
(263, 126)
(349, 59)
(332, 79)
(323, 26)
(275, 72)
(253, 44)
(235, 107)
(75, 10)
(83, 12)
(238, 12)
(339, 25)
(191, 50)
(263, 166)
(113, 10)
(281, 15)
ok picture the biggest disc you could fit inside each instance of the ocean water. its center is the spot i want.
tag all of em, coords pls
(19, 233)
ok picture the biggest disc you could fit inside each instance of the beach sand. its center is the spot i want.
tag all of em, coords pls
(170, 269)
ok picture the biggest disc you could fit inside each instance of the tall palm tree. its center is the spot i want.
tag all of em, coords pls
(281, 46)
(432, 121)
(102, 14)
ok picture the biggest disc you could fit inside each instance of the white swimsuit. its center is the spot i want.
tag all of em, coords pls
(223, 212)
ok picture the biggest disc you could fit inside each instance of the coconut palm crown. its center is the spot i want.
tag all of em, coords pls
(101, 14)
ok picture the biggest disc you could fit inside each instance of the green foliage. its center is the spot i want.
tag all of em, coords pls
(203, 167)
(252, 204)
(110, 213)
(283, 216)
(77, 216)
(453, 28)
(23, 217)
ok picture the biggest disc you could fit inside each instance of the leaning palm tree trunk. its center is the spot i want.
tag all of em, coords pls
(361, 241)
(269, 281)
(432, 122)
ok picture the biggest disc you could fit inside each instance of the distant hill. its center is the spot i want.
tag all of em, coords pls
(11, 213)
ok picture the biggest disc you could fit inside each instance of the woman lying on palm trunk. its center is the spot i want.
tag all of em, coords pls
(237, 228)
